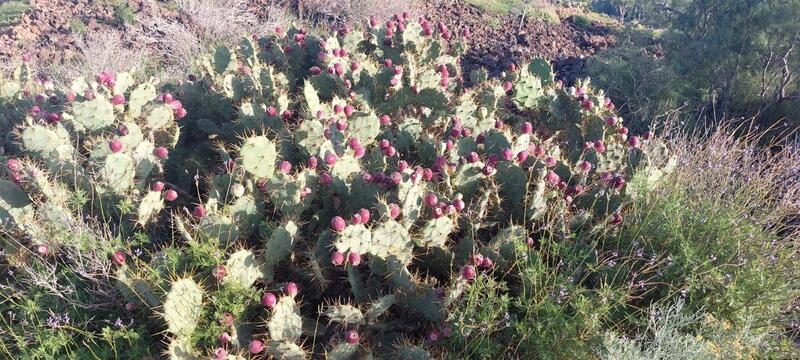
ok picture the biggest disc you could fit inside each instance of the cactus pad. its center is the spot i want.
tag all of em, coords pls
(183, 306)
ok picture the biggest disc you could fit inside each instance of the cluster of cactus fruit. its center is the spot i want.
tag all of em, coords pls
(361, 157)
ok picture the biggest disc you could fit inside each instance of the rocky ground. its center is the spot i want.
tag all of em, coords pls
(48, 32)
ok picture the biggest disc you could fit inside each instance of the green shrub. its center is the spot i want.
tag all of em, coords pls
(11, 11)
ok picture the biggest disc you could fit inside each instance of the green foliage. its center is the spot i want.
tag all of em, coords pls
(291, 178)
(11, 11)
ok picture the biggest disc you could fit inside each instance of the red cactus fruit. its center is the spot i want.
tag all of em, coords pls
(118, 258)
(161, 152)
(171, 195)
(199, 211)
(352, 337)
(337, 259)
(290, 289)
(354, 258)
(157, 186)
(115, 146)
(269, 300)
(468, 272)
(256, 346)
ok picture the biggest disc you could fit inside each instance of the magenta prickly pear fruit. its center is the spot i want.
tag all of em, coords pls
(622, 131)
(522, 156)
(348, 110)
(180, 113)
(312, 162)
(530, 242)
(365, 215)
(587, 104)
(352, 337)
(290, 289)
(129, 306)
(53, 118)
(338, 223)
(648, 135)
(269, 300)
(619, 182)
(286, 167)
(326, 179)
(459, 205)
(512, 67)
(507, 154)
(157, 186)
(433, 336)
(389, 151)
(431, 199)
(199, 211)
(115, 146)
(473, 157)
(526, 128)
(337, 259)
(552, 177)
(634, 141)
(171, 195)
(616, 219)
(118, 100)
(70, 96)
(338, 108)
(26, 58)
(373, 21)
(385, 120)
(507, 86)
(398, 70)
(599, 146)
(356, 219)
(161, 152)
(224, 338)
(220, 354)
(14, 165)
(354, 66)
(550, 161)
(468, 272)
(272, 111)
(394, 211)
(444, 82)
(359, 153)
(487, 263)
(476, 259)
(256, 346)
(437, 213)
(43, 250)
(611, 121)
(585, 166)
(219, 272)
(330, 158)
(315, 70)
(427, 174)
(118, 258)
(354, 258)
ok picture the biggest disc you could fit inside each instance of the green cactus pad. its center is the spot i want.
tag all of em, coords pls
(380, 307)
(344, 314)
(117, 172)
(183, 306)
(220, 227)
(355, 238)
(342, 351)
(258, 155)
(286, 351)
(181, 348)
(140, 96)
(93, 115)
(286, 324)
(408, 352)
(410, 197)
(310, 136)
(243, 268)
(364, 127)
(279, 247)
(391, 238)
(134, 288)
(149, 207)
(15, 205)
(159, 118)
(527, 92)
(49, 143)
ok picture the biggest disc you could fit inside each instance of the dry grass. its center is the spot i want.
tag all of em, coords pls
(211, 23)
(100, 51)
(356, 11)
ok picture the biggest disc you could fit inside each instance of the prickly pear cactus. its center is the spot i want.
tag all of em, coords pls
(182, 307)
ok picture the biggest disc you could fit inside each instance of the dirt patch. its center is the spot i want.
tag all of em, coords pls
(48, 33)
(497, 40)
